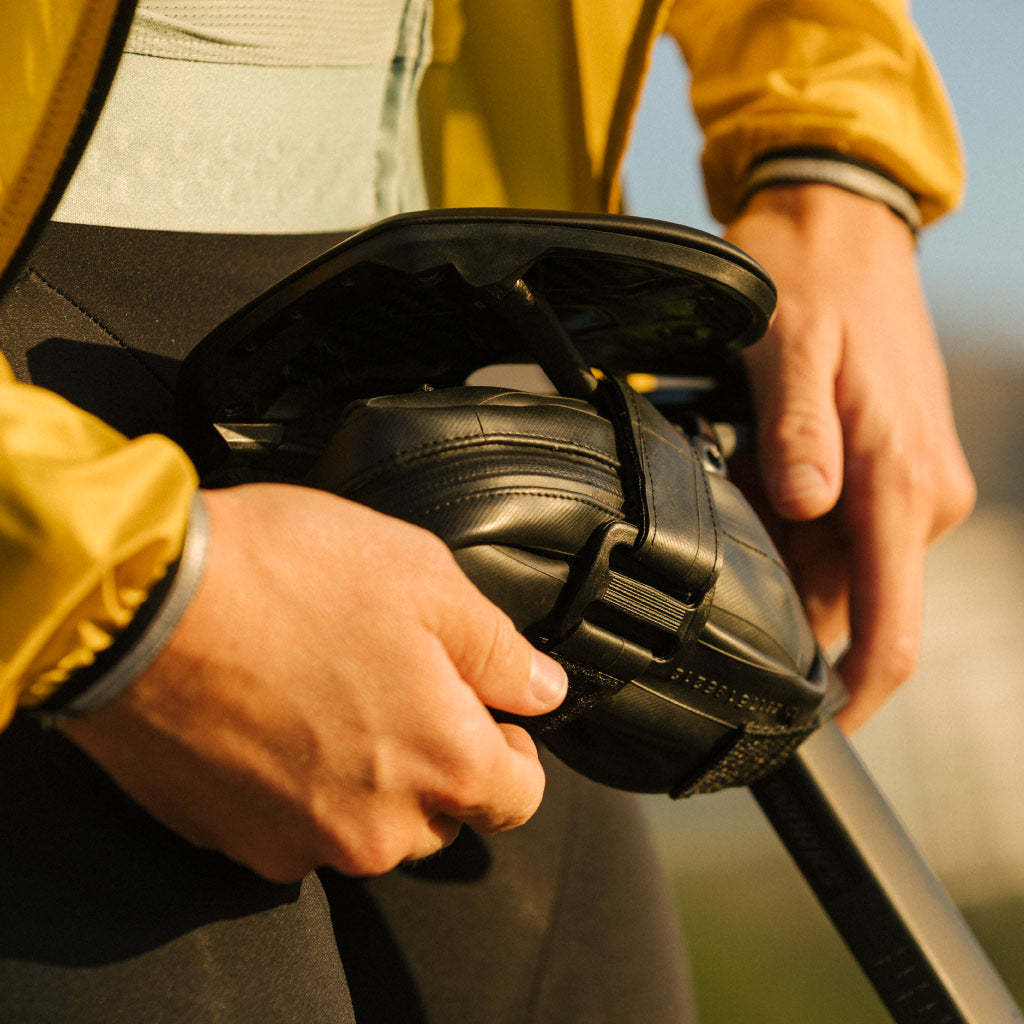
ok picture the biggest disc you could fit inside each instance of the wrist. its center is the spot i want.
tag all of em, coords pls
(139, 644)
(820, 218)
(786, 169)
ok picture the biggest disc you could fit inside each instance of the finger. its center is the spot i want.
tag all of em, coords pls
(957, 491)
(792, 374)
(828, 611)
(504, 669)
(886, 609)
(515, 786)
(440, 832)
(406, 840)
(817, 555)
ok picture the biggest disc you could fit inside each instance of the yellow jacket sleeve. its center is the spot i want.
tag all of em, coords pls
(851, 77)
(89, 521)
(50, 54)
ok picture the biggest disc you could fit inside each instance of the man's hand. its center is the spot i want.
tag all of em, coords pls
(324, 699)
(858, 454)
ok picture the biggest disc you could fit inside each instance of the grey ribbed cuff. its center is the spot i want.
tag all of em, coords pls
(787, 169)
(143, 652)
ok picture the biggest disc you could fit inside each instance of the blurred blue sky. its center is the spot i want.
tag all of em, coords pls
(970, 262)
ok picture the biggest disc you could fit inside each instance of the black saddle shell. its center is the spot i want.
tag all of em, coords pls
(609, 534)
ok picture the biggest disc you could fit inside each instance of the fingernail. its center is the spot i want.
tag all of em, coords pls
(548, 681)
(799, 483)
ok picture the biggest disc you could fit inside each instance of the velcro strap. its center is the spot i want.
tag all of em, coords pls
(668, 495)
(755, 751)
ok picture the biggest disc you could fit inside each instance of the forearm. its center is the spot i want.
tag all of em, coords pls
(852, 79)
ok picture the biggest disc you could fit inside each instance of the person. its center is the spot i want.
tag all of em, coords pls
(268, 705)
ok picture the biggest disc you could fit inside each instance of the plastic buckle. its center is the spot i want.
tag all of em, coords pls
(614, 621)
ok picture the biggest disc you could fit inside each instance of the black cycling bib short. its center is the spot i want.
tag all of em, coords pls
(106, 915)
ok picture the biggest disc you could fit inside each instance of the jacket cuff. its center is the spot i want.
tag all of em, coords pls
(139, 644)
(827, 167)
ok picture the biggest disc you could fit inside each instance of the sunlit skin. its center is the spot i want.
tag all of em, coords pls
(857, 449)
(325, 699)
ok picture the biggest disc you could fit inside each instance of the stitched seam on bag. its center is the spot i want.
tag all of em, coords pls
(754, 549)
(543, 440)
(781, 653)
(684, 450)
(531, 492)
(715, 525)
(408, 456)
(517, 478)
(120, 342)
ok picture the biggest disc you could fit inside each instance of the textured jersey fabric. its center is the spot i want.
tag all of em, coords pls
(269, 116)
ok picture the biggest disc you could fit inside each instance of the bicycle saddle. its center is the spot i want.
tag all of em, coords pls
(605, 526)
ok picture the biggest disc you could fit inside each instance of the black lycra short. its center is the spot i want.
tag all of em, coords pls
(106, 917)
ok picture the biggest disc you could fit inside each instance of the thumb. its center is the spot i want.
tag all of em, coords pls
(496, 660)
(799, 436)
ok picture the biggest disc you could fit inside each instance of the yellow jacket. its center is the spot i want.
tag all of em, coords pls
(528, 103)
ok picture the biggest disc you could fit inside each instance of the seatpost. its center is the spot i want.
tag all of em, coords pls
(548, 340)
(884, 900)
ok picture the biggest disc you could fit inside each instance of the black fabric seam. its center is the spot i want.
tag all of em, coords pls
(120, 342)
(534, 1003)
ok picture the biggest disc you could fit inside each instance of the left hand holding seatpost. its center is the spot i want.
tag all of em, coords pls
(857, 450)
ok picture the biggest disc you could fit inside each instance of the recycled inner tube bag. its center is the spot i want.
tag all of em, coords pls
(604, 524)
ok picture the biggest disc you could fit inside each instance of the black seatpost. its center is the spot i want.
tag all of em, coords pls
(885, 902)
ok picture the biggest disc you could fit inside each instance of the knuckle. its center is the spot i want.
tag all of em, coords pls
(902, 657)
(465, 780)
(492, 807)
(366, 864)
(511, 813)
(499, 648)
(358, 852)
(433, 556)
(801, 426)
(521, 814)
(960, 496)
(446, 830)
(374, 853)
(936, 487)
(474, 781)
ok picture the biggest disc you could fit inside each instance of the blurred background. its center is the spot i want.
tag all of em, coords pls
(946, 749)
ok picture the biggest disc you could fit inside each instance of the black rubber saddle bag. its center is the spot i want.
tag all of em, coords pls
(604, 524)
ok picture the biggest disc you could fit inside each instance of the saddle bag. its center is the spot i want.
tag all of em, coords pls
(608, 531)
